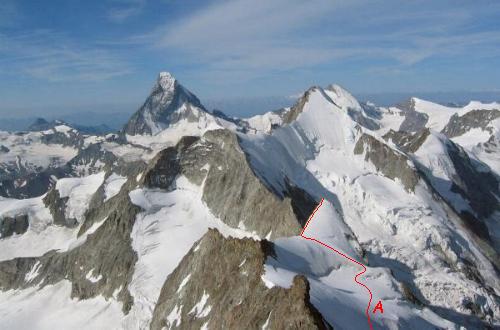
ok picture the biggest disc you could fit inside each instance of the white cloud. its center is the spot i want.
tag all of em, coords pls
(250, 38)
(50, 56)
(250, 34)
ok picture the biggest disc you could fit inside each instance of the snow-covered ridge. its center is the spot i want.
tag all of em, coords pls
(439, 115)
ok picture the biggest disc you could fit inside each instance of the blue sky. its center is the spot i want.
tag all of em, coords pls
(69, 55)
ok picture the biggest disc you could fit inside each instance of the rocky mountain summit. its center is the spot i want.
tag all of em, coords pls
(190, 219)
(168, 103)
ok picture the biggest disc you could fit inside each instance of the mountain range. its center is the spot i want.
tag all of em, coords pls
(191, 219)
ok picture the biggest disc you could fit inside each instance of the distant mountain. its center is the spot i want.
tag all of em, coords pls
(40, 124)
(168, 103)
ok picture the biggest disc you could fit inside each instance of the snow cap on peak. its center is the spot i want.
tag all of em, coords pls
(166, 81)
(478, 105)
(342, 97)
(337, 89)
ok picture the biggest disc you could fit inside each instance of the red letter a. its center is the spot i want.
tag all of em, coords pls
(378, 307)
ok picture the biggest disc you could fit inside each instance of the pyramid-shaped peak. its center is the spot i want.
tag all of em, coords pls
(168, 103)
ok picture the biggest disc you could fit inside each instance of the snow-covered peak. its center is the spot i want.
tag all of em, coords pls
(342, 97)
(166, 81)
(168, 103)
(325, 122)
(478, 105)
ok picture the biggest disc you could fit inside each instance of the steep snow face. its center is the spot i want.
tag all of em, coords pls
(334, 292)
(324, 123)
(342, 98)
(79, 191)
(483, 144)
(439, 115)
(321, 127)
(433, 155)
(40, 236)
(113, 185)
(395, 226)
(266, 122)
(391, 118)
(184, 127)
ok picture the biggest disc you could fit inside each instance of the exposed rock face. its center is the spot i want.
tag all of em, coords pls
(230, 188)
(218, 284)
(23, 184)
(459, 125)
(168, 103)
(406, 141)
(414, 121)
(102, 265)
(297, 109)
(4, 149)
(57, 207)
(364, 121)
(165, 167)
(237, 196)
(391, 163)
(479, 187)
(68, 139)
(13, 225)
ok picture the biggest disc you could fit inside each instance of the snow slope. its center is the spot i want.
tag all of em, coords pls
(333, 290)
(27, 150)
(162, 235)
(52, 308)
(79, 191)
(393, 225)
(439, 115)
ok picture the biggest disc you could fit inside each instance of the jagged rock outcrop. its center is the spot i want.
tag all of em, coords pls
(297, 109)
(230, 188)
(57, 207)
(388, 161)
(406, 141)
(459, 125)
(71, 138)
(102, 265)
(218, 285)
(13, 225)
(23, 184)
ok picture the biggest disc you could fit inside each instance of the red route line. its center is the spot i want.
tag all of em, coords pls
(367, 312)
